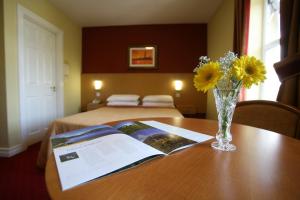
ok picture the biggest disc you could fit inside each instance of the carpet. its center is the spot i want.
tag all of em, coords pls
(20, 178)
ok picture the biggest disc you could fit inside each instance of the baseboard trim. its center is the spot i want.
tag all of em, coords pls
(11, 151)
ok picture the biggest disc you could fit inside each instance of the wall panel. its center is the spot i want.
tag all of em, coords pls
(105, 49)
(190, 101)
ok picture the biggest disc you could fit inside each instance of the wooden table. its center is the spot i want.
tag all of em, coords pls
(266, 165)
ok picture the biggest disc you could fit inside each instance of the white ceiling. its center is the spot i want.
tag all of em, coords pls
(133, 12)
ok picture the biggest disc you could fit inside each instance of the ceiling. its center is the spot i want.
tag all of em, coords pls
(134, 12)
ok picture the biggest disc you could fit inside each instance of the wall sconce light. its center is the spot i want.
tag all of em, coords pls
(97, 86)
(178, 84)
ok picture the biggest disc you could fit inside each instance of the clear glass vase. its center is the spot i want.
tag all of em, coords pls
(225, 102)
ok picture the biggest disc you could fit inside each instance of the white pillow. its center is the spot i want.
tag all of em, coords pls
(123, 97)
(159, 104)
(158, 98)
(122, 103)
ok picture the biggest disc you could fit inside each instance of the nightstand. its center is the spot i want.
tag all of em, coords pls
(93, 106)
(195, 115)
(190, 111)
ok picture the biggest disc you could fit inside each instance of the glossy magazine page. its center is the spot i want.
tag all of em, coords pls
(161, 140)
(92, 152)
(85, 161)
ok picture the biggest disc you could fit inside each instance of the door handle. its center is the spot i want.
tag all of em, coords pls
(53, 88)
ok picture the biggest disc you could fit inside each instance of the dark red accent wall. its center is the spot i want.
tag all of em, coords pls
(105, 49)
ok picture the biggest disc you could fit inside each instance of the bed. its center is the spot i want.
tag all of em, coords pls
(99, 116)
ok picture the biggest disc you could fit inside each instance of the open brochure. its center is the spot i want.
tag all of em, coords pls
(92, 152)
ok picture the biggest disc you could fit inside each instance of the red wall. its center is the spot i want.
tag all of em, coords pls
(105, 49)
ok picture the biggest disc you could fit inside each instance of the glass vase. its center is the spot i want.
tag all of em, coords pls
(225, 102)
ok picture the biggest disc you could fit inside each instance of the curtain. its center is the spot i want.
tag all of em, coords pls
(289, 27)
(241, 31)
(289, 91)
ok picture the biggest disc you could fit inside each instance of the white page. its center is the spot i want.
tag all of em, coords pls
(192, 135)
(98, 157)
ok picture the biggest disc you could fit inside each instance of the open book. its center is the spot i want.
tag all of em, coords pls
(92, 152)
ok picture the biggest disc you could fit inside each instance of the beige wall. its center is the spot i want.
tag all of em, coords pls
(3, 121)
(220, 40)
(72, 56)
(143, 84)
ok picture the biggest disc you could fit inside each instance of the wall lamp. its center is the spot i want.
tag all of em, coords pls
(178, 84)
(97, 86)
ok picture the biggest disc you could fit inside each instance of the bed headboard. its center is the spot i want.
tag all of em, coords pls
(189, 102)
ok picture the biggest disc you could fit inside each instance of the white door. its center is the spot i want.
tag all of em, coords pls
(39, 80)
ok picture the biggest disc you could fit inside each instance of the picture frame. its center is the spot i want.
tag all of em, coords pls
(143, 56)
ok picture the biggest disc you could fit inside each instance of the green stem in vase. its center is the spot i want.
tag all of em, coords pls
(224, 115)
(224, 120)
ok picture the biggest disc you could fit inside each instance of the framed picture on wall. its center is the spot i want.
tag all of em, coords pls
(144, 56)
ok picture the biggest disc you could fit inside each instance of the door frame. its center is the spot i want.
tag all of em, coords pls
(25, 14)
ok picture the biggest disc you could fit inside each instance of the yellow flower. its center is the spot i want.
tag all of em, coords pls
(250, 70)
(207, 76)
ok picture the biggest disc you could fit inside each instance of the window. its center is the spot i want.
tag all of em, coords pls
(264, 36)
(271, 48)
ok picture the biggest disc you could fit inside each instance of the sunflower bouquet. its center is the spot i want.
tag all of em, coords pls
(229, 72)
(226, 76)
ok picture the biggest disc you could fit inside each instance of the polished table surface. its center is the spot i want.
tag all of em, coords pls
(266, 165)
